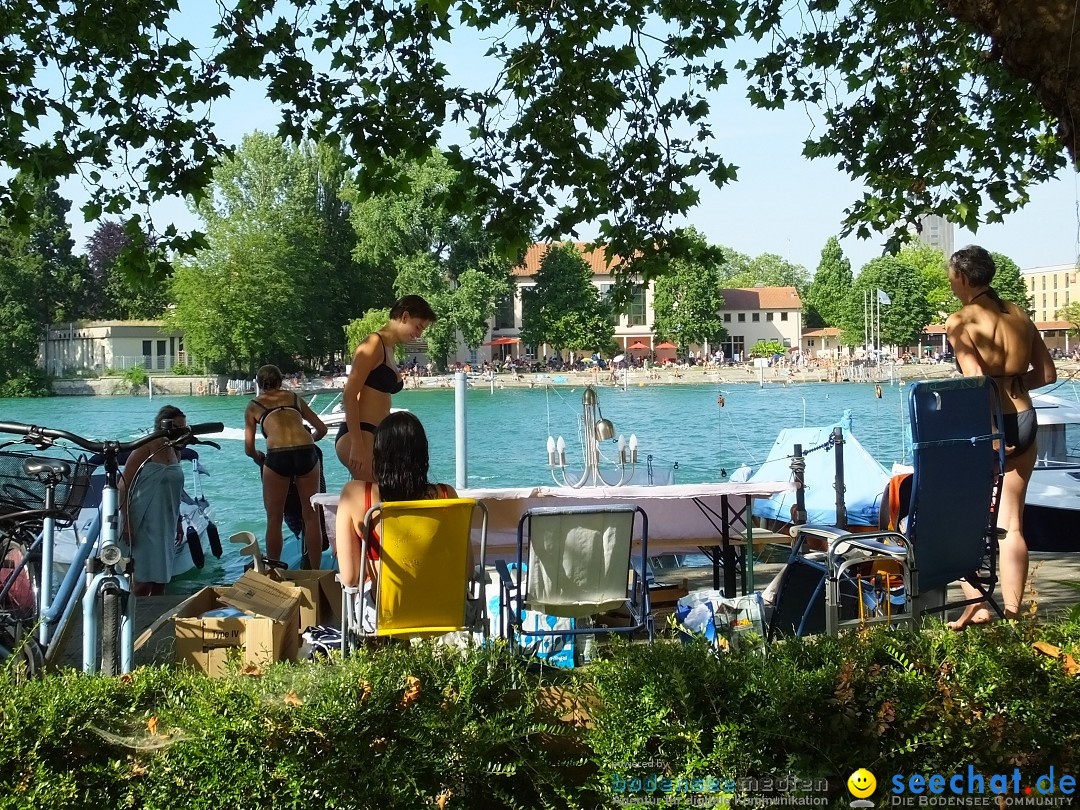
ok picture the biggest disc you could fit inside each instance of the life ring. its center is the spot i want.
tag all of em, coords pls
(200, 389)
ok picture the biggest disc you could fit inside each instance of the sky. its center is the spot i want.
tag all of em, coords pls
(782, 203)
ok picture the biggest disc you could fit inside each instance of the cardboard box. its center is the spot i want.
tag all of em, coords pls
(269, 632)
(320, 596)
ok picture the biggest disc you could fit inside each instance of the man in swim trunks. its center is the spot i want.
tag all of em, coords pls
(290, 456)
(997, 339)
(373, 379)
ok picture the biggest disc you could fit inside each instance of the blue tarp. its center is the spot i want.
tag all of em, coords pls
(864, 478)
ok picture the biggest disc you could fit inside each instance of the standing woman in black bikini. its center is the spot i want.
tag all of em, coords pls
(290, 455)
(997, 339)
(374, 377)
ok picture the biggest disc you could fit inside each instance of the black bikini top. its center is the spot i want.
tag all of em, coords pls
(383, 378)
(267, 411)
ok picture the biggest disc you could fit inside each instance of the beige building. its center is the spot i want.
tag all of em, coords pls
(632, 327)
(823, 343)
(761, 314)
(750, 315)
(1050, 289)
(99, 345)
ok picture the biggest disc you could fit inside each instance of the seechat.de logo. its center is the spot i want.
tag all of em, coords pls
(862, 784)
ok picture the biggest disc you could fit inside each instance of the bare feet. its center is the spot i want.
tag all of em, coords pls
(972, 615)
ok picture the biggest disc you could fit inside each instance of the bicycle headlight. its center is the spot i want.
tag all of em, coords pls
(111, 554)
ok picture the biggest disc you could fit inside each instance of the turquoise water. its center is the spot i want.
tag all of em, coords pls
(507, 433)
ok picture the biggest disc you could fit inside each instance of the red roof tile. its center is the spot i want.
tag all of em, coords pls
(1044, 325)
(596, 259)
(825, 331)
(762, 298)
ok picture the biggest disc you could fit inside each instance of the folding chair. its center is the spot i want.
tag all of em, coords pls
(951, 532)
(579, 565)
(423, 586)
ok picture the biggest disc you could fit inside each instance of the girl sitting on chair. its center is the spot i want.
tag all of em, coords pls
(401, 474)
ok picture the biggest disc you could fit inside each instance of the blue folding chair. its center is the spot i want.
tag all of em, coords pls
(951, 532)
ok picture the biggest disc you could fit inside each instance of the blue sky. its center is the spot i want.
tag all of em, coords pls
(782, 202)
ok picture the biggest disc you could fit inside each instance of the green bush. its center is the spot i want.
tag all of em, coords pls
(422, 726)
(135, 376)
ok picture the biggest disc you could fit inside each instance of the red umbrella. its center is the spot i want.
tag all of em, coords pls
(503, 341)
(666, 345)
(638, 346)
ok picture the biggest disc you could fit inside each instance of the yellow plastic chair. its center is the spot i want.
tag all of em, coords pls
(423, 587)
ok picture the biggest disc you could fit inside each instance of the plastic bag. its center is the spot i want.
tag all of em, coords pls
(727, 624)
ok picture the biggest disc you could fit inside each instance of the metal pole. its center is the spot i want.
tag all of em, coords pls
(461, 480)
(838, 447)
(865, 324)
(798, 469)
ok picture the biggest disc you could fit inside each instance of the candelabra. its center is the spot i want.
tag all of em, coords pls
(597, 430)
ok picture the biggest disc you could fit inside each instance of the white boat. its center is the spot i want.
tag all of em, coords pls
(1052, 510)
(197, 538)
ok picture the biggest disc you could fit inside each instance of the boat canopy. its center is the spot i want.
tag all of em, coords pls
(864, 478)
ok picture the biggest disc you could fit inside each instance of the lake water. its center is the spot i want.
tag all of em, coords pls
(507, 434)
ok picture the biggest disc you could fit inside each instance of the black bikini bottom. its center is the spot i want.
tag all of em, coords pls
(292, 462)
(1020, 430)
(343, 428)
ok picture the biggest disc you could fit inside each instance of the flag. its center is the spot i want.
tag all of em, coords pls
(882, 297)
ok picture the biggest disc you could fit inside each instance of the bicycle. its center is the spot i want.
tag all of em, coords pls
(30, 513)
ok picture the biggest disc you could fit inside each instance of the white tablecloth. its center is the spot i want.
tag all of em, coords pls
(675, 512)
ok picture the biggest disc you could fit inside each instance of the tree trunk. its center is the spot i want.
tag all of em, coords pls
(1037, 41)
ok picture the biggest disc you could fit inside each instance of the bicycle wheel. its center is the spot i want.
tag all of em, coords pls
(111, 615)
(21, 657)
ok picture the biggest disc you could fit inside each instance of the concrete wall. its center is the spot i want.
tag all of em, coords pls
(165, 385)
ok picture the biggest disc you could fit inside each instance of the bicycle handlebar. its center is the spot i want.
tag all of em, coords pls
(43, 436)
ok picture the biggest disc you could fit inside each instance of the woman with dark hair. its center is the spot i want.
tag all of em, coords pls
(401, 471)
(373, 379)
(995, 338)
(149, 490)
(291, 456)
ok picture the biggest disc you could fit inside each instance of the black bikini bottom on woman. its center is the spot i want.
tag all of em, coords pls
(291, 462)
(1020, 430)
(343, 428)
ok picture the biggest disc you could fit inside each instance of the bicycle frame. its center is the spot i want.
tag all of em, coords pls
(81, 584)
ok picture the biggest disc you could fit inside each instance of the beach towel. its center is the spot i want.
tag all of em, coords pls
(294, 510)
(153, 508)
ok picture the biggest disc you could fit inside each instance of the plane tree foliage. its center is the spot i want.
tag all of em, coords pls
(40, 284)
(110, 290)
(1070, 313)
(932, 266)
(903, 319)
(421, 239)
(593, 113)
(264, 289)
(768, 270)
(687, 302)
(824, 300)
(564, 309)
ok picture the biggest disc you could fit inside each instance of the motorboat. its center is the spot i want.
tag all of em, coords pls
(1052, 510)
(196, 536)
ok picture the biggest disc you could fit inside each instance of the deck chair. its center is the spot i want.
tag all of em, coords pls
(424, 581)
(951, 533)
(580, 564)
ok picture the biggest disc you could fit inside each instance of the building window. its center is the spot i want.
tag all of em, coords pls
(783, 316)
(810, 343)
(1044, 282)
(1055, 281)
(734, 345)
(1044, 301)
(768, 316)
(1055, 300)
(148, 351)
(755, 317)
(727, 317)
(606, 296)
(635, 313)
(504, 315)
(742, 317)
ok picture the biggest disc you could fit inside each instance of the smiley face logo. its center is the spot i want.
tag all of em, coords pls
(861, 783)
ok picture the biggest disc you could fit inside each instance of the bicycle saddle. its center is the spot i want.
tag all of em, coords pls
(53, 466)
